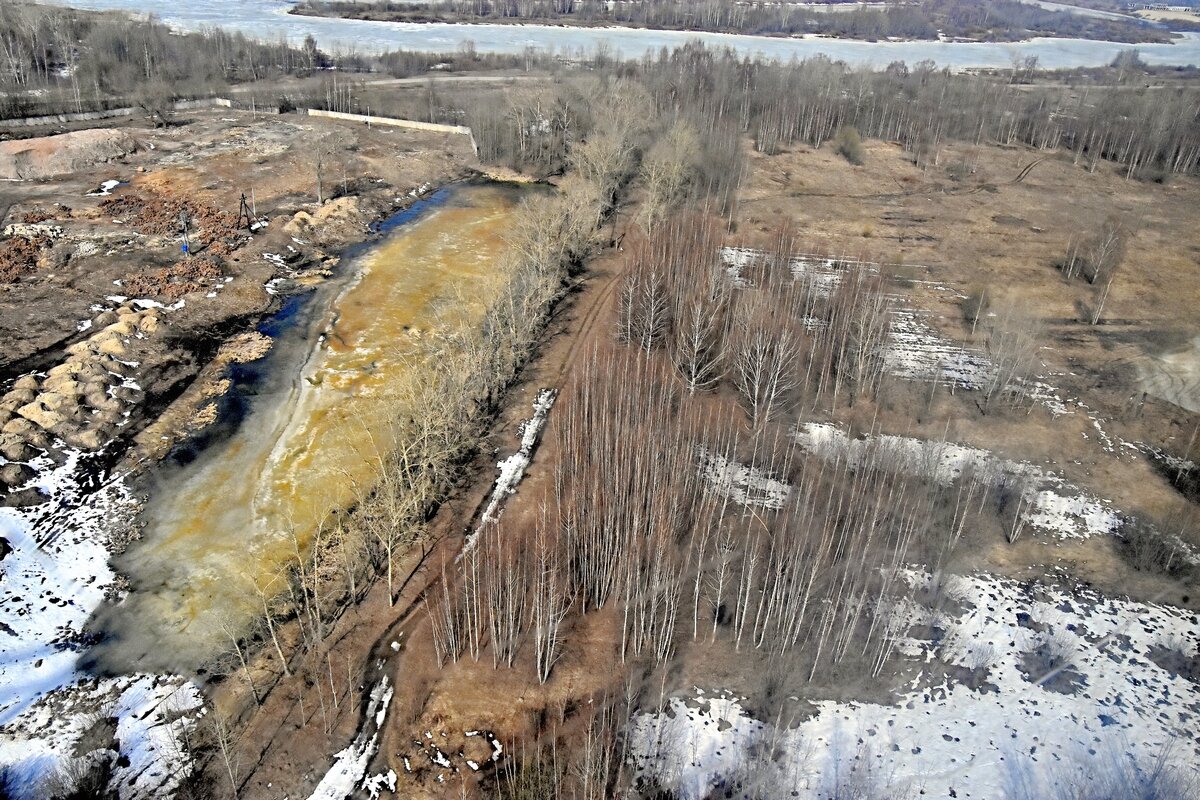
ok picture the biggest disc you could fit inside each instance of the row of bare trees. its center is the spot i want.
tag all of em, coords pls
(924, 107)
(632, 523)
(809, 335)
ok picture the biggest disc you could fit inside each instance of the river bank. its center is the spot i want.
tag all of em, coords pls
(310, 426)
(84, 501)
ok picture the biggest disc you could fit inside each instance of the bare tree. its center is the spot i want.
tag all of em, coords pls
(1012, 347)
(764, 360)
(667, 171)
(698, 346)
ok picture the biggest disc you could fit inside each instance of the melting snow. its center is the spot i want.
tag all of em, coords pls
(1014, 737)
(153, 717)
(741, 483)
(512, 469)
(916, 351)
(105, 188)
(350, 765)
(1054, 505)
(55, 576)
(823, 273)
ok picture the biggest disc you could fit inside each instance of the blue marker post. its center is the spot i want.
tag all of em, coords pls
(183, 223)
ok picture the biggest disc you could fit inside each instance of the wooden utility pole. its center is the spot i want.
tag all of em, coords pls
(320, 197)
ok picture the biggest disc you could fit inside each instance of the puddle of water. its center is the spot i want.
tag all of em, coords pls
(235, 515)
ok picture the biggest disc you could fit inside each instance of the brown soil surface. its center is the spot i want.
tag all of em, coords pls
(295, 755)
(48, 156)
(969, 226)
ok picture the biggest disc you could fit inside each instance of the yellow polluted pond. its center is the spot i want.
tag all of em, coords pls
(219, 533)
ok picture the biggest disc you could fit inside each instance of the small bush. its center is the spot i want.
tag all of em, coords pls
(81, 779)
(975, 305)
(849, 146)
(1147, 549)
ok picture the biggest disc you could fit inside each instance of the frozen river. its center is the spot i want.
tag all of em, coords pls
(268, 19)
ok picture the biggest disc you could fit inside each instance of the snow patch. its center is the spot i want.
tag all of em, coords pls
(55, 576)
(105, 188)
(1119, 714)
(916, 351)
(741, 483)
(1054, 506)
(350, 765)
(512, 469)
(147, 720)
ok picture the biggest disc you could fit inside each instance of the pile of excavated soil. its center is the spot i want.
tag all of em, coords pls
(189, 275)
(19, 256)
(47, 156)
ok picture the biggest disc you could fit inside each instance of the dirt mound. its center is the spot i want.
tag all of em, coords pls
(338, 218)
(46, 156)
(44, 214)
(190, 275)
(19, 256)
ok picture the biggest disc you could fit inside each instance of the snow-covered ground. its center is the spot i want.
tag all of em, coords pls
(1102, 711)
(823, 273)
(55, 576)
(349, 770)
(142, 724)
(741, 483)
(512, 469)
(1052, 505)
(915, 350)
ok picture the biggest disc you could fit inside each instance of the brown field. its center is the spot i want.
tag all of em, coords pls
(969, 227)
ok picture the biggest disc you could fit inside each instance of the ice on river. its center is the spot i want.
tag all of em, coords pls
(268, 20)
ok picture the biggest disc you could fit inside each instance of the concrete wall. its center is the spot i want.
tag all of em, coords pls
(112, 113)
(412, 124)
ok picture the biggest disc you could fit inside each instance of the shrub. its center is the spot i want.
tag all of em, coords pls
(975, 305)
(1147, 549)
(849, 146)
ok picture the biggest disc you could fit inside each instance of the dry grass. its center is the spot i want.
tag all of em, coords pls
(970, 228)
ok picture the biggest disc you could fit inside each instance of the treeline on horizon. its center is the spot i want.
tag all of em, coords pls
(725, 98)
(995, 20)
(59, 60)
(56, 60)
